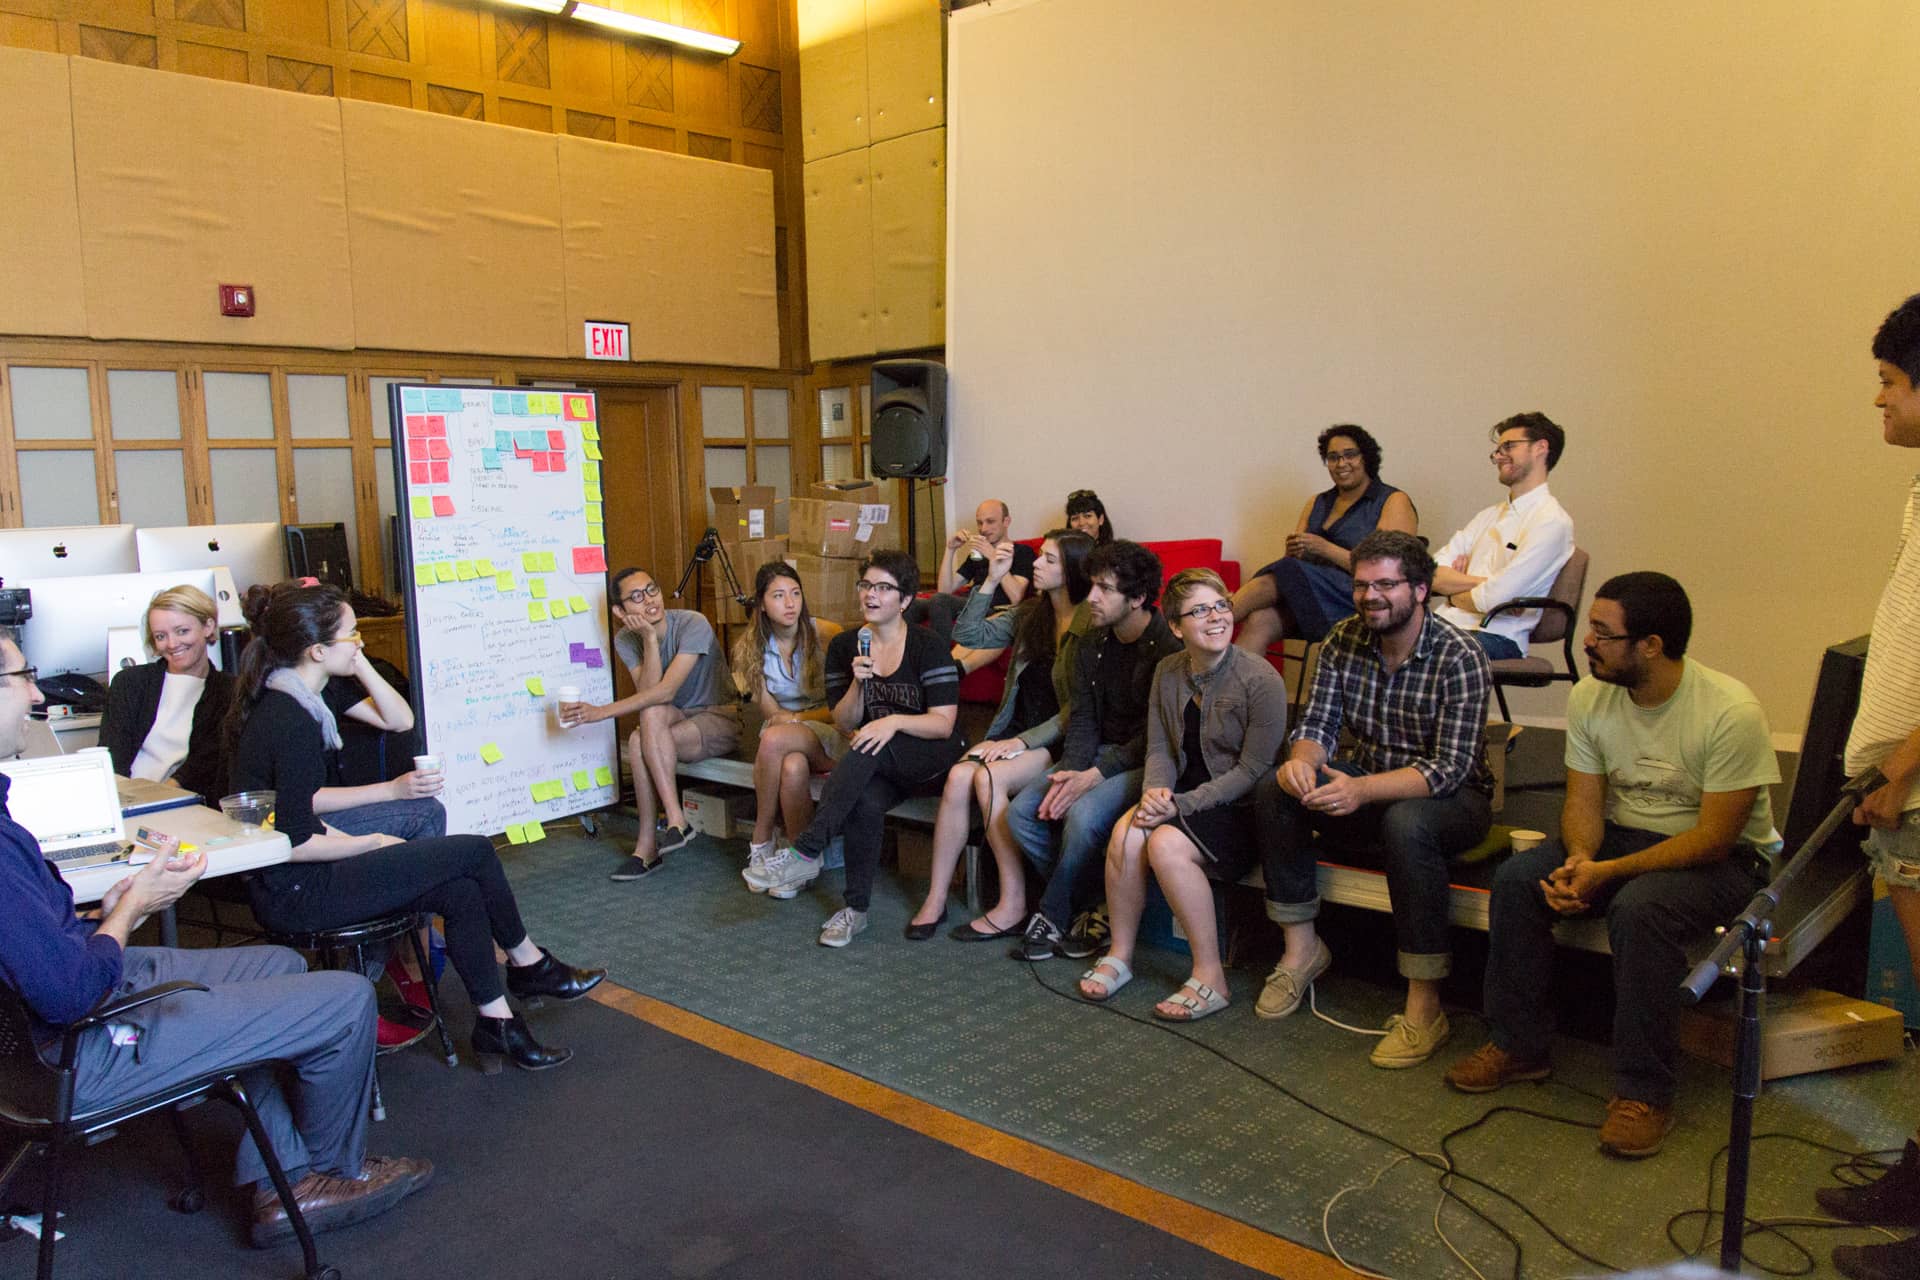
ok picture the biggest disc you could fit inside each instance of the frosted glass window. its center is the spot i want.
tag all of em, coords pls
(836, 412)
(152, 487)
(383, 491)
(724, 467)
(144, 405)
(382, 422)
(836, 460)
(246, 485)
(239, 407)
(769, 414)
(51, 404)
(323, 485)
(57, 488)
(773, 464)
(723, 413)
(317, 404)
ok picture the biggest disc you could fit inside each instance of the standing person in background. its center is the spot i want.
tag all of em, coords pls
(686, 711)
(1045, 631)
(1088, 515)
(162, 720)
(779, 664)
(1301, 596)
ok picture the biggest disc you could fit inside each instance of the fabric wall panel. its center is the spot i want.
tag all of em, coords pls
(910, 241)
(905, 81)
(40, 287)
(840, 277)
(681, 249)
(833, 76)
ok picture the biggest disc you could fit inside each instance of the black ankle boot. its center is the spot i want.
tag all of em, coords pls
(550, 977)
(497, 1039)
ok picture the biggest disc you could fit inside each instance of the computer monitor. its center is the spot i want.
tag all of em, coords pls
(320, 551)
(67, 551)
(71, 616)
(246, 553)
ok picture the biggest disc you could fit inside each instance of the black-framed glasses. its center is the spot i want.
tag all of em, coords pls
(1506, 447)
(649, 592)
(1602, 637)
(865, 588)
(1341, 455)
(1201, 612)
(1382, 585)
(29, 674)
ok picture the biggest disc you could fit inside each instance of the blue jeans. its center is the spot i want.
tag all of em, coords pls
(1417, 838)
(402, 819)
(1650, 920)
(1074, 859)
(1496, 645)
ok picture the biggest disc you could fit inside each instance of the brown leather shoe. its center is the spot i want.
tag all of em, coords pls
(1489, 1067)
(327, 1200)
(1634, 1129)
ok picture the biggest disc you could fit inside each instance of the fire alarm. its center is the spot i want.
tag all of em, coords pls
(236, 299)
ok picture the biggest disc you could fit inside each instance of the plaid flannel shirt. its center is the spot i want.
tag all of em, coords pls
(1429, 715)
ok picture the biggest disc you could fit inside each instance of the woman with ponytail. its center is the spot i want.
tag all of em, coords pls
(283, 737)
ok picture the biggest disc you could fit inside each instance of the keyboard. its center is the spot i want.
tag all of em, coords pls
(89, 855)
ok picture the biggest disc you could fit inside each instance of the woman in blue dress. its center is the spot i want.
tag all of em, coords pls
(1303, 594)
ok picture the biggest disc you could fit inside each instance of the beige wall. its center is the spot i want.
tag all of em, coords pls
(1184, 238)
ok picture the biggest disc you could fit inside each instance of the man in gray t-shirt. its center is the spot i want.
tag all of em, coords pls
(686, 710)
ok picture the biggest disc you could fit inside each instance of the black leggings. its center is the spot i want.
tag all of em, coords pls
(858, 794)
(456, 877)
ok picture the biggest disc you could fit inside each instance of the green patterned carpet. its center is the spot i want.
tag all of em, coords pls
(972, 1031)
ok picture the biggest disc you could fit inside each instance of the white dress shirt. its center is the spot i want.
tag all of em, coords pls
(1519, 546)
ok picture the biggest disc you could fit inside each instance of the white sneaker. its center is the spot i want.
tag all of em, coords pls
(840, 929)
(783, 874)
(757, 855)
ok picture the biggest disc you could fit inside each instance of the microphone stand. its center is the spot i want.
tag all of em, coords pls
(1748, 935)
(710, 547)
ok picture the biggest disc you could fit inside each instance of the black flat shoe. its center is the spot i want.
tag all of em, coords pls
(967, 933)
(921, 932)
(497, 1041)
(550, 979)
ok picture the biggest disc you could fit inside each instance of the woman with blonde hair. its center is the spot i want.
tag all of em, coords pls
(162, 720)
(779, 664)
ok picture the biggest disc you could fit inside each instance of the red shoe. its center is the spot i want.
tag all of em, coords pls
(411, 989)
(391, 1035)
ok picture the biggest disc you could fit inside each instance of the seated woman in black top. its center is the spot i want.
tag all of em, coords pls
(163, 719)
(896, 691)
(280, 734)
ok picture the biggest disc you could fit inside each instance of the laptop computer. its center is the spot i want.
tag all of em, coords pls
(71, 806)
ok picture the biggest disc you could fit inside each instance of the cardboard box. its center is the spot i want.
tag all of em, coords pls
(717, 813)
(746, 558)
(867, 491)
(1800, 1031)
(742, 513)
(839, 530)
(829, 585)
(1889, 967)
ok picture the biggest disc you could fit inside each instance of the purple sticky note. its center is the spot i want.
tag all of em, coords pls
(593, 658)
(576, 652)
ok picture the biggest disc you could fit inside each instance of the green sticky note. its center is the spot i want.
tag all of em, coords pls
(491, 752)
(516, 834)
(538, 587)
(582, 779)
(504, 580)
(591, 449)
(465, 570)
(590, 471)
(536, 686)
(603, 777)
(547, 563)
(535, 833)
(591, 489)
(593, 513)
(536, 612)
(423, 575)
(485, 567)
(423, 507)
(558, 609)
(444, 571)
(538, 791)
(577, 603)
(529, 562)
(596, 534)
(590, 431)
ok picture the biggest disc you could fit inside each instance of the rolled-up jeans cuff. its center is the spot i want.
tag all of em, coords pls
(1293, 912)
(1425, 968)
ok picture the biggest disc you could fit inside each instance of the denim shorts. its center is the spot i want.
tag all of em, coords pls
(1894, 854)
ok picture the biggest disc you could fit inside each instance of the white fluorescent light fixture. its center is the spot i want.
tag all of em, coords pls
(634, 25)
(539, 6)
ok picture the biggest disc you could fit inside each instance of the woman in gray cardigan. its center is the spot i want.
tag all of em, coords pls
(1216, 723)
(1044, 631)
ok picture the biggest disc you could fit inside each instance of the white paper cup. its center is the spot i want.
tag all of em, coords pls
(1525, 840)
(426, 764)
(561, 696)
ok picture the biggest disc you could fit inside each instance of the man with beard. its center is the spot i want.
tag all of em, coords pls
(1411, 690)
(1667, 828)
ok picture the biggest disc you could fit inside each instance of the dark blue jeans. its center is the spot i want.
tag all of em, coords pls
(1496, 645)
(1416, 838)
(1650, 920)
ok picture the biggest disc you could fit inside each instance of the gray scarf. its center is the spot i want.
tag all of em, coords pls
(283, 679)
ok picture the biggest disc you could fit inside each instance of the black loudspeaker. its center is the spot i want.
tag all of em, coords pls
(909, 431)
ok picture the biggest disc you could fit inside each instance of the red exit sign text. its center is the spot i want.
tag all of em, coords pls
(609, 340)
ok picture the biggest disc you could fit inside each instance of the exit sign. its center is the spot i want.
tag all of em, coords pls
(609, 340)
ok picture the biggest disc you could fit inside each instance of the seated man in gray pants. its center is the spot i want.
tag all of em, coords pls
(261, 1005)
(1412, 690)
(1667, 828)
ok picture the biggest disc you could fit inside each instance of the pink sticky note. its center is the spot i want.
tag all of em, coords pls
(416, 425)
(442, 505)
(589, 560)
(436, 424)
(438, 449)
(556, 462)
(576, 408)
(556, 439)
(541, 462)
(417, 472)
(518, 452)
(439, 472)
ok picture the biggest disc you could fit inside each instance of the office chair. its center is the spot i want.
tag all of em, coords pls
(1559, 618)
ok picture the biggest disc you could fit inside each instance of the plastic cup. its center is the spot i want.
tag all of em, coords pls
(1525, 840)
(250, 809)
(564, 694)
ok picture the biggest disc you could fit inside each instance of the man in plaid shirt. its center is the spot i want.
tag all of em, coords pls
(1411, 690)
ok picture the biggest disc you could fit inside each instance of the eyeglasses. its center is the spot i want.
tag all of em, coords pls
(1200, 612)
(1381, 585)
(1602, 637)
(1506, 447)
(1079, 494)
(867, 588)
(1344, 455)
(649, 592)
(29, 674)
(352, 637)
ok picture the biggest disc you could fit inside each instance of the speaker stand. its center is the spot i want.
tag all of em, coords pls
(913, 541)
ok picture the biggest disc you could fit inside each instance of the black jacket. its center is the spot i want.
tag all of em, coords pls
(1090, 702)
(133, 700)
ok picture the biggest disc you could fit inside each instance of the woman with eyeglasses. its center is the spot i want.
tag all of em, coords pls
(1215, 725)
(1087, 514)
(283, 737)
(895, 690)
(163, 718)
(1303, 594)
(1044, 631)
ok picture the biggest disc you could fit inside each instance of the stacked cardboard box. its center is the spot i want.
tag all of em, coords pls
(743, 517)
(829, 534)
(746, 558)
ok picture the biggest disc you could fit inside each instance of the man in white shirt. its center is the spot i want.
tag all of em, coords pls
(1513, 548)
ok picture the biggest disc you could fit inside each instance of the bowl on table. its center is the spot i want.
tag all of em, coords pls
(251, 809)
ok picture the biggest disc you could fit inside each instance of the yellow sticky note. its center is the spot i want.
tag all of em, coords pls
(491, 753)
(582, 779)
(538, 588)
(516, 834)
(590, 431)
(538, 791)
(485, 567)
(593, 513)
(535, 833)
(504, 580)
(423, 507)
(536, 612)
(444, 571)
(577, 603)
(465, 570)
(591, 489)
(590, 471)
(596, 534)
(529, 562)
(603, 777)
(536, 686)
(547, 563)
(591, 449)
(558, 609)
(423, 575)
